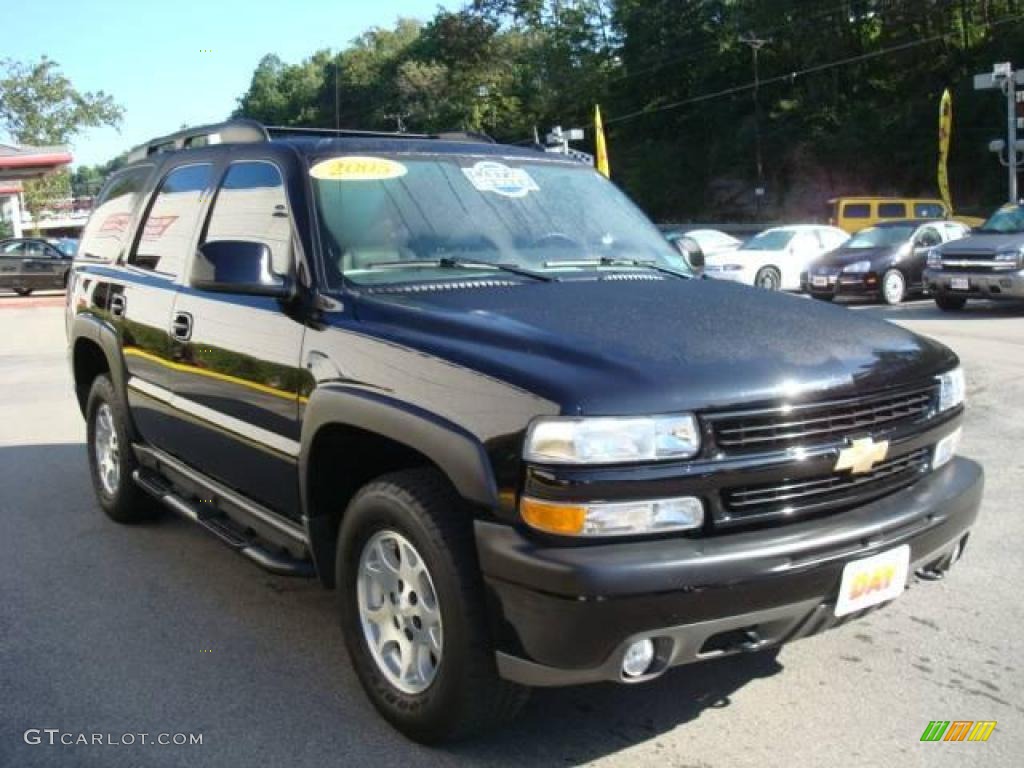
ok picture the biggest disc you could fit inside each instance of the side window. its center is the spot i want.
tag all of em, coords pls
(892, 210)
(857, 211)
(171, 222)
(929, 210)
(12, 249)
(251, 205)
(104, 235)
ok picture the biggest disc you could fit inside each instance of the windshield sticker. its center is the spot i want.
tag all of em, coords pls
(355, 168)
(489, 176)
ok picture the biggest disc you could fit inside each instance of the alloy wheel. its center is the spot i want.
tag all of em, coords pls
(399, 611)
(108, 454)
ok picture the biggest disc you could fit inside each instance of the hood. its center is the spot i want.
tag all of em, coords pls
(649, 346)
(845, 256)
(982, 243)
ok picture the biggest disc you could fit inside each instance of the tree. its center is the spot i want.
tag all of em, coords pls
(39, 105)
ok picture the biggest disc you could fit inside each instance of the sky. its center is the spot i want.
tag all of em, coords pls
(152, 57)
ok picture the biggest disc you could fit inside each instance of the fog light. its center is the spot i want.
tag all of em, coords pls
(945, 449)
(638, 658)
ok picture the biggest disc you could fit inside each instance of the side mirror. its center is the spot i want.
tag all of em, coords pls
(691, 252)
(238, 266)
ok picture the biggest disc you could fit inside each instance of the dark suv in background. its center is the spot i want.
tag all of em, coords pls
(472, 388)
(987, 265)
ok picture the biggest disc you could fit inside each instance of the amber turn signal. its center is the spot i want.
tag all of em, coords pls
(566, 519)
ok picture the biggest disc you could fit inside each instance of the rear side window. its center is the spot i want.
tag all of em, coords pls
(857, 211)
(892, 210)
(170, 224)
(104, 236)
(251, 205)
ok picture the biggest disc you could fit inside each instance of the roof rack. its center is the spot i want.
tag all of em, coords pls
(243, 131)
(229, 132)
(297, 131)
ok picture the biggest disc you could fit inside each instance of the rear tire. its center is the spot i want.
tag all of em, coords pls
(824, 296)
(950, 303)
(111, 460)
(416, 514)
(768, 278)
(894, 287)
(23, 291)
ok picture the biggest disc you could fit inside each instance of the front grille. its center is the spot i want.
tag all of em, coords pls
(975, 262)
(806, 495)
(818, 423)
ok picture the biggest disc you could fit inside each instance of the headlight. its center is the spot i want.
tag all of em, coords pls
(858, 267)
(952, 389)
(934, 258)
(1014, 256)
(627, 518)
(612, 440)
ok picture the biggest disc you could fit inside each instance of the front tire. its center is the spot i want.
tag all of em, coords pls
(950, 303)
(412, 610)
(111, 460)
(23, 291)
(894, 287)
(824, 296)
(768, 278)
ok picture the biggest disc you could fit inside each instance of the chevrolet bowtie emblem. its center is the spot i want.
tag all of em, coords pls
(861, 455)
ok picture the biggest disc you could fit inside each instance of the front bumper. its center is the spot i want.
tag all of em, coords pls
(843, 284)
(981, 284)
(565, 615)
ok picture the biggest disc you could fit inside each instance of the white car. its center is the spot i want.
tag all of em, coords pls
(775, 258)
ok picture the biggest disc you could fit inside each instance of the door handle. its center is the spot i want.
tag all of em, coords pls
(181, 326)
(118, 305)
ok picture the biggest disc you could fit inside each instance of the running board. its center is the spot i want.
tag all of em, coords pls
(219, 525)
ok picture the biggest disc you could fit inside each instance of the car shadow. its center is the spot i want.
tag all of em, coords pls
(927, 310)
(169, 588)
(580, 724)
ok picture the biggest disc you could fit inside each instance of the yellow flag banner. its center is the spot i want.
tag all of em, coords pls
(601, 148)
(945, 129)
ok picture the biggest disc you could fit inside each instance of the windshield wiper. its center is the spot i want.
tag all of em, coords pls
(454, 262)
(611, 261)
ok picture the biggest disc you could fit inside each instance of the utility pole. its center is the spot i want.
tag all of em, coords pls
(756, 44)
(1004, 78)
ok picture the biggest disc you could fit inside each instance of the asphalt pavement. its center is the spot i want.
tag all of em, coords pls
(159, 629)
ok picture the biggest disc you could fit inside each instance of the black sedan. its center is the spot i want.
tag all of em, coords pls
(28, 264)
(885, 261)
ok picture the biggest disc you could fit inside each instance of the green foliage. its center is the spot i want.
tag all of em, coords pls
(40, 106)
(868, 124)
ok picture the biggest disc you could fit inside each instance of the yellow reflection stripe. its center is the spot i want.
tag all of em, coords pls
(184, 368)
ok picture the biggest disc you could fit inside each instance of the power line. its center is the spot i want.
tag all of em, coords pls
(792, 76)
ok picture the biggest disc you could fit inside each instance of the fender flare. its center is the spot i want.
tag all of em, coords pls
(95, 329)
(458, 453)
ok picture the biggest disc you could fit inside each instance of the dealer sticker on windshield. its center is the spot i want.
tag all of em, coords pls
(356, 168)
(490, 176)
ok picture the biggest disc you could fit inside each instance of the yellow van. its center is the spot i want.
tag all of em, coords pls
(856, 213)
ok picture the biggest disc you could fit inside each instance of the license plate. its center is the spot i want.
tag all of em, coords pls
(960, 284)
(873, 580)
(819, 281)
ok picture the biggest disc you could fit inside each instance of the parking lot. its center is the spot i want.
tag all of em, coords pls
(160, 629)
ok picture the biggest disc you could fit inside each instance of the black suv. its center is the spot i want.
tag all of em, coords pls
(473, 389)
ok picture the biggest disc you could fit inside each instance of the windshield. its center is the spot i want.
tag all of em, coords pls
(1005, 221)
(880, 237)
(409, 218)
(772, 240)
